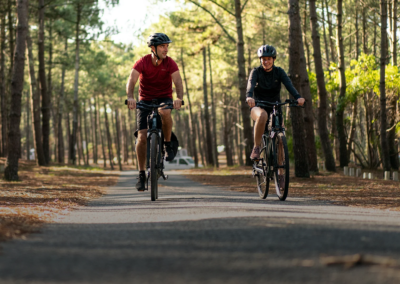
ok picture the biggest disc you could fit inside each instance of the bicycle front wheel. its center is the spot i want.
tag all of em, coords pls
(281, 166)
(261, 178)
(153, 166)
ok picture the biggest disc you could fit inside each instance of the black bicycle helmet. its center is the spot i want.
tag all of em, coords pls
(157, 39)
(266, 51)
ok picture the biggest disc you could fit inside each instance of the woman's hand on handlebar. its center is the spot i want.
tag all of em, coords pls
(300, 101)
(177, 104)
(251, 102)
(131, 103)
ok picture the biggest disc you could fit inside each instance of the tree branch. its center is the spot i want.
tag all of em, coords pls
(225, 9)
(244, 5)
(215, 19)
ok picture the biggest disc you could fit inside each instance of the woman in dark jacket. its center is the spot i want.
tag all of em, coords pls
(265, 84)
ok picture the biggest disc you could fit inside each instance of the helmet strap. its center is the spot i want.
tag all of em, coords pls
(155, 54)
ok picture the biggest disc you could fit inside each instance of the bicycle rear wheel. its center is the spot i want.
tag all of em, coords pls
(153, 167)
(281, 166)
(261, 178)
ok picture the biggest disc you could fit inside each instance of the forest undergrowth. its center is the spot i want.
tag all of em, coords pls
(45, 193)
(333, 187)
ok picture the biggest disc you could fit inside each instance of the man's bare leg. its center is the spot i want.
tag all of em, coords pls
(260, 116)
(141, 149)
(166, 123)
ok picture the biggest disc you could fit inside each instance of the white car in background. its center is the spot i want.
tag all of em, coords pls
(181, 162)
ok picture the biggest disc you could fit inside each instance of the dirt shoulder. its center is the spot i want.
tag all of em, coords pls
(333, 187)
(45, 193)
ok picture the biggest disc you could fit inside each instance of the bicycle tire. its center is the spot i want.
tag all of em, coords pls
(153, 168)
(281, 166)
(263, 179)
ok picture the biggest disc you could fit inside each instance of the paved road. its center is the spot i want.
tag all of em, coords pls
(200, 234)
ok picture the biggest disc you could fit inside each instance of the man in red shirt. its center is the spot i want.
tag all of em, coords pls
(156, 71)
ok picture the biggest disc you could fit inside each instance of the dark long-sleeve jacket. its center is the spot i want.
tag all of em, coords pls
(266, 86)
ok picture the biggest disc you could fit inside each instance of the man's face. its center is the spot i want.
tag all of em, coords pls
(267, 62)
(162, 50)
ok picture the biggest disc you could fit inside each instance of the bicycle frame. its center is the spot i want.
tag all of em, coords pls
(269, 134)
(156, 129)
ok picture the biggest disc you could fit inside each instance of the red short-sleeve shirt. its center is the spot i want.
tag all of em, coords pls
(155, 81)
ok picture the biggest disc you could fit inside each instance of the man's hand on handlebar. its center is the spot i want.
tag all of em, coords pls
(177, 104)
(300, 101)
(251, 102)
(131, 103)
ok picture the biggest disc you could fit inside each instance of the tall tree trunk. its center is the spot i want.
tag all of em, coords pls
(125, 139)
(43, 86)
(79, 143)
(375, 35)
(364, 28)
(209, 147)
(76, 81)
(330, 29)
(118, 136)
(394, 33)
(357, 31)
(309, 112)
(342, 86)
(28, 130)
(109, 139)
(214, 119)
(322, 94)
(296, 114)
(227, 130)
(307, 47)
(352, 129)
(241, 140)
(92, 132)
(325, 40)
(17, 84)
(203, 146)
(61, 151)
(93, 120)
(35, 96)
(69, 135)
(3, 147)
(131, 139)
(97, 103)
(95, 130)
(191, 119)
(248, 131)
(50, 89)
(86, 132)
(382, 89)
(392, 112)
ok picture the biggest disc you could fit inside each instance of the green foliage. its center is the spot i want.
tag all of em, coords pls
(312, 77)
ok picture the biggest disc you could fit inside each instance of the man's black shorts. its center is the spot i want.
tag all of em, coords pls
(142, 114)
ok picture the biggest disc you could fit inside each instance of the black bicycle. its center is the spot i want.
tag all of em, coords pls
(155, 145)
(274, 155)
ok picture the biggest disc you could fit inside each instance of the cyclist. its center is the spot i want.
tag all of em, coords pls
(156, 71)
(265, 82)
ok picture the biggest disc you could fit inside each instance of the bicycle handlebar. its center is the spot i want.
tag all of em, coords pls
(151, 106)
(291, 103)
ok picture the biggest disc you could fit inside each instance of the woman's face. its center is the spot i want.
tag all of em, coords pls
(267, 62)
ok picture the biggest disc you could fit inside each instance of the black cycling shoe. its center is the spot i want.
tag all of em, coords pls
(169, 152)
(140, 185)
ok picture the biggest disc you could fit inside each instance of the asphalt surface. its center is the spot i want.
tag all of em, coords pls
(202, 234)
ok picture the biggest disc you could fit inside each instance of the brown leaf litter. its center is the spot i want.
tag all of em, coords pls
(43, 193)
